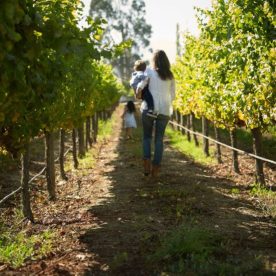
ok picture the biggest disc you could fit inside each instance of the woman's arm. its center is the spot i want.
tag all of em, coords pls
(141, 85)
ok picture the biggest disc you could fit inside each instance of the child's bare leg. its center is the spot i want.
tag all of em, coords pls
(128, 132)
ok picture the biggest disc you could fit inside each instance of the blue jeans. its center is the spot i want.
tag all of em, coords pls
(160, 126)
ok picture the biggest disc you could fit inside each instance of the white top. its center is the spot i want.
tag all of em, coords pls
(129, 120)
(163, 92)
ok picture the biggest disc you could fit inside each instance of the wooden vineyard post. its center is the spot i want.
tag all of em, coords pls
(88, 140)
(235, 161)
(50, 164)
(74, 142)
(26, 204)
(218, 149)
(188, 125)
(192, 117)
(61, 154)
(182, 123)
(257, 148)
(205, 132)
(81, 141)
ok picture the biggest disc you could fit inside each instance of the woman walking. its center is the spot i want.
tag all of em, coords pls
(162, 86)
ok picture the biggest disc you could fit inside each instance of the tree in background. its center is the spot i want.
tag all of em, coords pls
(126, 21)
(178, 45)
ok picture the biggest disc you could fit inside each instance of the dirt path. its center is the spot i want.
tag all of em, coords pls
(115, 217)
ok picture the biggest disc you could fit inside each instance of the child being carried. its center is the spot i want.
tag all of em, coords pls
(137, 76)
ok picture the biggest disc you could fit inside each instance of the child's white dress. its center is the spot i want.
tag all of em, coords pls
(129, 120)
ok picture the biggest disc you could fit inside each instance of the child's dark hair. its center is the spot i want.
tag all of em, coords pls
(130, 107)
(140, 65)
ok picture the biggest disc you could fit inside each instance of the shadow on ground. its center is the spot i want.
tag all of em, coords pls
(139, 211)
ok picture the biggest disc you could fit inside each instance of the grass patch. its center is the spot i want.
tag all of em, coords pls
(192, 249)
(180, 142)
(235, 191)
(87, 162)
(17, 248)
(105, 129)
(266, 200)
(18, 245)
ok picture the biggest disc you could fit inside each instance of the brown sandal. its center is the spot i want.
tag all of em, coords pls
(147, 167)
(155, 170)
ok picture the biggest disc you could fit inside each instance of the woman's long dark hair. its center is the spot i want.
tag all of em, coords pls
(162, 65)
(130, 106)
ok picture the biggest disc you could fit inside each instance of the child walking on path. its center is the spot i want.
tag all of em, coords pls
(129, 119)
(137, 77)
